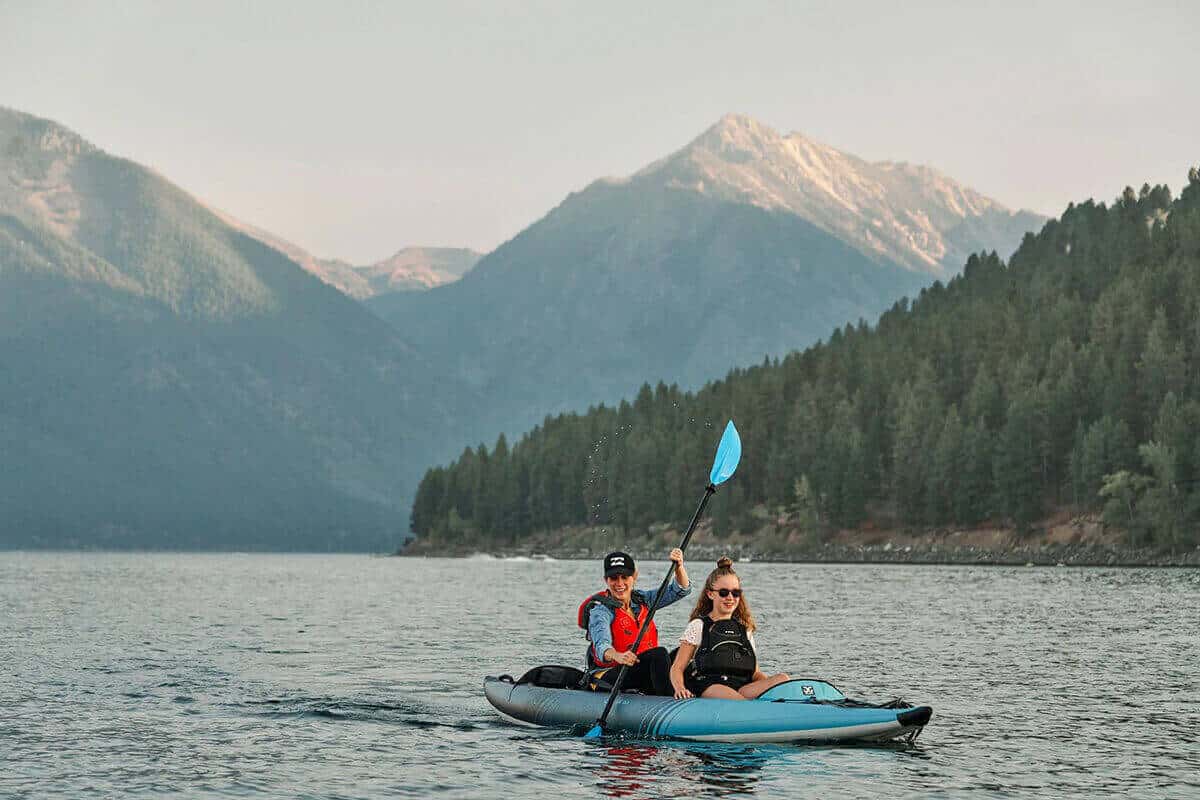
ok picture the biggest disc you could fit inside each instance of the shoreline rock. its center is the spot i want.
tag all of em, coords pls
(1061, 539)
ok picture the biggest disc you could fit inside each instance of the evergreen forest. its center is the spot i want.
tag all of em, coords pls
(1066, 379)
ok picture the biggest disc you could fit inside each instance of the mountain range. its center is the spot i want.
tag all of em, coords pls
(171, 382)
(176, 378)
(407, 270)
(743, 244)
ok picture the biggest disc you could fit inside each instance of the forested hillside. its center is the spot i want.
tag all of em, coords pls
(1065, 379)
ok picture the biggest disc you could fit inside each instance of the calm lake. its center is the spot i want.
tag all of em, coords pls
(354, 676)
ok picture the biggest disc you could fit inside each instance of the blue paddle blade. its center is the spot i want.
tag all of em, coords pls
(594, 733)
(729, 453)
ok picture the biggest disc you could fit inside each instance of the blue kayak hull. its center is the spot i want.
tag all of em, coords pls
(706, 720)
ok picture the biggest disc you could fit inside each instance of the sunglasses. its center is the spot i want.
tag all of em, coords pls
(728, 592)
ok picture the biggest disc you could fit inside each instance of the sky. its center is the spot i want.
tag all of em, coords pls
(354, 129)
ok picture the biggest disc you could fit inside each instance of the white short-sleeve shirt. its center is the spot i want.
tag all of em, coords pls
(694, 632)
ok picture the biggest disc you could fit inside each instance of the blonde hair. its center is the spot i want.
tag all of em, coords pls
(704, 605)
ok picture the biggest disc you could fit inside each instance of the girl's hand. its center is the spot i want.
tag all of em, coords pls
(683, 694)
(676, 556)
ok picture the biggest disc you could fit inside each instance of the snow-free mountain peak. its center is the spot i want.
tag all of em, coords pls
(414, 268)
(409, 269)
(910, 214)
(24, 132)
(136, 232)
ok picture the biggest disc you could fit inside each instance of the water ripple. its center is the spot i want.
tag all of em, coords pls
(341, 676)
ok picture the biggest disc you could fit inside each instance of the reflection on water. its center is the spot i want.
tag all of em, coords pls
(687, 769)
(639, 770)
(625, 771)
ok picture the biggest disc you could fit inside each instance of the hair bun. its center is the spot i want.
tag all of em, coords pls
(724, 562)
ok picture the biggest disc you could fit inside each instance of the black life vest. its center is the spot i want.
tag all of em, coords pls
(724, 653)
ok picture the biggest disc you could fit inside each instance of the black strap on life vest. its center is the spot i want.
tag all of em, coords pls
(637, 599)
(725, 652)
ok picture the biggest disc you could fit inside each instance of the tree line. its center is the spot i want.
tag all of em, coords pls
(1064, 379)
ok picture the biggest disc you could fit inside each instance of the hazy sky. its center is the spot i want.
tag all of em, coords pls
(354, 129)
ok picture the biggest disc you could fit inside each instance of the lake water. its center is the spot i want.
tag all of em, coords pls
(353, 676)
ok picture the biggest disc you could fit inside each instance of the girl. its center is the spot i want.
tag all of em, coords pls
(716, 655)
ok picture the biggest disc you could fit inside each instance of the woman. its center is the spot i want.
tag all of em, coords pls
(716, 655)
(613, 618)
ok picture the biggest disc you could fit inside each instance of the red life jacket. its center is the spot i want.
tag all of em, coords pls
(625, 625)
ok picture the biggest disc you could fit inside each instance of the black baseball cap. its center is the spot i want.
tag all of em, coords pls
(618, 563)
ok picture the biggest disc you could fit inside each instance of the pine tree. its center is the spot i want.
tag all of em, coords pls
(975, 500)
(1121, 491)
(1162, 367)
(846, 495)
(985, 400)
(947, 473)
(1016, 463)
(1160, 508)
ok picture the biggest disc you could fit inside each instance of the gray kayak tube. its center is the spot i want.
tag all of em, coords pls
(803, 710)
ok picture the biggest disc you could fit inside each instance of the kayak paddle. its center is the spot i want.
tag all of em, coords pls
(729, 453)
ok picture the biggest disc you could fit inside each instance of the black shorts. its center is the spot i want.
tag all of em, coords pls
(696, 684)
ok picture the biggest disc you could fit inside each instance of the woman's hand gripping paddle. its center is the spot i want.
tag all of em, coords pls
(729, 453)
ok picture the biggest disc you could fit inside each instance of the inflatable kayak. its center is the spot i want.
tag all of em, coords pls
(800, 710)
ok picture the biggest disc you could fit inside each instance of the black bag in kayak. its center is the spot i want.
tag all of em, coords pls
(552, 676)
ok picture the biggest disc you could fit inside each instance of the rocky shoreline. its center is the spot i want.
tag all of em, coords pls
(1056, 556)
(1081, 542)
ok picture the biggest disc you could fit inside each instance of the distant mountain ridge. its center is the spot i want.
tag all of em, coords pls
(416, 268)
(409, 269)
(59, 184)
(909, 214)
(743, 244)
(170, 382)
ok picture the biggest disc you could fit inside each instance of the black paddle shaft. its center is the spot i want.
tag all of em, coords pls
(687, 537)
